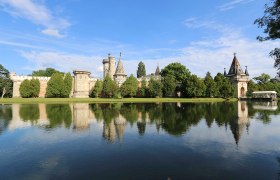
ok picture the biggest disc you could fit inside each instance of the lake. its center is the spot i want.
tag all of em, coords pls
(237, 140)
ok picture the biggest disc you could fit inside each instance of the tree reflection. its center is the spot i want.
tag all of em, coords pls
(5, 116)
(59, 114)
(29, 112)
(174, 118)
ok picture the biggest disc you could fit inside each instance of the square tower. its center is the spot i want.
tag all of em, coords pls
(81, 84)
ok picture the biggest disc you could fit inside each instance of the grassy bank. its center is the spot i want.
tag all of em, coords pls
(105, 100)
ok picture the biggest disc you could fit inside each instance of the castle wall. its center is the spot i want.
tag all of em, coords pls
(17, 80)
(81, 85)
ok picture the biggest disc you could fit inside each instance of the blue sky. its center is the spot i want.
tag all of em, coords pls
(78, 34)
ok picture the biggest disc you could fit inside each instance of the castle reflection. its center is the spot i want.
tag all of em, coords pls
(173, 118)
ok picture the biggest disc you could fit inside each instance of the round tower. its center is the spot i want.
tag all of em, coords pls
(105, 67)
(112, 62)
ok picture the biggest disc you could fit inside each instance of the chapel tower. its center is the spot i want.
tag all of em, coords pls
(238, 77)
(120, 75)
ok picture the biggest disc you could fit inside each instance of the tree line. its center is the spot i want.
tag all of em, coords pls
(175, 80)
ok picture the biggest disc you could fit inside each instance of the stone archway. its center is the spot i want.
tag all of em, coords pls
(242, 92)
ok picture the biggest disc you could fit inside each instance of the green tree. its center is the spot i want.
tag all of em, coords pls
(67, 85)
(110, 88)
(193, 87)
(252, 86)
(179, 71)
(263, 78)
(141, 71)
(155, 88)
(225, 87)
(129, 87)
(47, 72)
(271, 24)
(6, 84)
(29, 88)
(211, 87)
(169, 85)
(34, 87)
(97, 89)
(24, 89)
(55, 86)
(142, 91)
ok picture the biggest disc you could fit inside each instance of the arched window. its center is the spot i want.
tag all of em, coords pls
(242, 92)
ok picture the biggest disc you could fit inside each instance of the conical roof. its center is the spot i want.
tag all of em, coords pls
(157, 73)
(235, 68)
(120, 69)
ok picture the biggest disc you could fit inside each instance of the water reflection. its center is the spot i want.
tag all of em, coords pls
(175, 119)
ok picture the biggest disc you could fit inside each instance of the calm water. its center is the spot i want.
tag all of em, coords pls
(140, 141)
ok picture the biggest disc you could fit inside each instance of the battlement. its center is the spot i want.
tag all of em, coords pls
(15, 77)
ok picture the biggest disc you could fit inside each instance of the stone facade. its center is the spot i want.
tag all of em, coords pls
(81, 86)
(238, 77)
(83, 83)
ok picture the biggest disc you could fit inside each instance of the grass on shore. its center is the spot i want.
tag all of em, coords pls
(109, 100)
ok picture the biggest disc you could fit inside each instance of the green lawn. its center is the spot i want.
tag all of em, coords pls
(105, 100)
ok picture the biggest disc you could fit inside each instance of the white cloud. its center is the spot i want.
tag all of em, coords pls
(53, 32)
(63, 61)
(232, 4)
(37, 13)
(211, 55)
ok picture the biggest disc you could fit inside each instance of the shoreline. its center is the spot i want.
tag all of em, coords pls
(111, 100)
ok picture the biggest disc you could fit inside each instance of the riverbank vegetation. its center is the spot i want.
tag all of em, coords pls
(109, 100)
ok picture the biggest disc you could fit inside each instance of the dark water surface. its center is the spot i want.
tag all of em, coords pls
(140, 141)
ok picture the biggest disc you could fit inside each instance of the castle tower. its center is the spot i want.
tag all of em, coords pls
(120, 75)
(238, 77)
(105, 67)
(112, 62)
(157, 73)
(109, 66)
(81, 84)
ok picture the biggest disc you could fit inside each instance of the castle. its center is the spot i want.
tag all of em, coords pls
(83, 82)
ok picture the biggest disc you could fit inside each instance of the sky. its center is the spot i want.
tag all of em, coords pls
(72, 35)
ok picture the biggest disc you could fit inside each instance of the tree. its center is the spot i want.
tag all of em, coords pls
(169, 85)
(194, 87)
(34, 87)
(155, 88)
(47, 72)
(271, 24)
(142, 91)
(129, 87)
(179, 71)
(263, 78)
(6, 84)
(141, 71)
(67, 85)
(97, 89)
(55, 86)
(252, 86)
(224, 86)
(110, 88)
(24, 89)
(211, 87)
